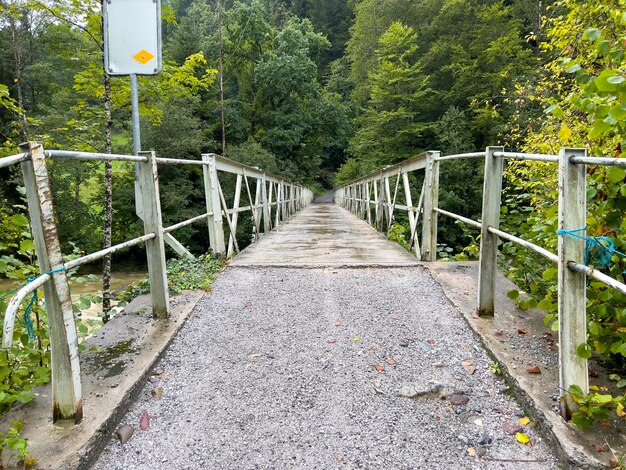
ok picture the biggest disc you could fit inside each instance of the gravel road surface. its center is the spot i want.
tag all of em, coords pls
(326, 368)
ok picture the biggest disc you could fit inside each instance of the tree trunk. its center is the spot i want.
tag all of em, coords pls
(108, 200)
(221, 74)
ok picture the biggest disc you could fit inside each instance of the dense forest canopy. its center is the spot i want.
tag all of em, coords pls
(319, 91)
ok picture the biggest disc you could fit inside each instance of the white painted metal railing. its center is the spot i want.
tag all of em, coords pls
(374, 190)
(274, 201)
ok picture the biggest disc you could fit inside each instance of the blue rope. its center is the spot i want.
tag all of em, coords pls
(600, 248)
(28, 321)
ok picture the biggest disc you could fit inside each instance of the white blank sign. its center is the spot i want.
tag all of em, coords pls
(132, 37)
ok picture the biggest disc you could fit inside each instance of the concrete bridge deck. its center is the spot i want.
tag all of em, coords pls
(324, 235)
(326, 367)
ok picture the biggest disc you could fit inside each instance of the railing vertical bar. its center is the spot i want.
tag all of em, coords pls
(492, 196)
(65, 367)
(148, 180)
(571, 284)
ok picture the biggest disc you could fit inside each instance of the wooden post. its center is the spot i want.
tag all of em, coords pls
(572, 285)
(380, 215)
(66, 387)
(376, 203)
(492, 196)
(148, 178)
(431, 202)
(213, 205)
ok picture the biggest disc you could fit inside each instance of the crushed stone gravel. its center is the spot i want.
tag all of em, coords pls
(326, 368)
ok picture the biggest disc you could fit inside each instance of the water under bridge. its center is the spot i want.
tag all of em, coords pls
(323, 344)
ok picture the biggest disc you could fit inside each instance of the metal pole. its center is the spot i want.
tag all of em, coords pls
(134, 98)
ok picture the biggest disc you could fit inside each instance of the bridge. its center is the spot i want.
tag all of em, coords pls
(323, 344)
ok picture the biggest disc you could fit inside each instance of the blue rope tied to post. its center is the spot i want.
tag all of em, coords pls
(28, 321)
(602, 247)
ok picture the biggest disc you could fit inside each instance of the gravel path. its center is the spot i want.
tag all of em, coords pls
(277, 369)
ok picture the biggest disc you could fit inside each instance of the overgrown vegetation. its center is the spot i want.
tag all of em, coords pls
(183, 273)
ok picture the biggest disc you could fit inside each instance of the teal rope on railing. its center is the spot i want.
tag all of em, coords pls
(28, 321)
(597, 249)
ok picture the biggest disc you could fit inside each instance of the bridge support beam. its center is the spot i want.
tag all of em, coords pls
(492, 198)
(571, 284)
(66, 387)
(213, 205)
(431, 202)
(148, 178)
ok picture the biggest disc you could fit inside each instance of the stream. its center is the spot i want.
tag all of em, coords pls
(119, 280)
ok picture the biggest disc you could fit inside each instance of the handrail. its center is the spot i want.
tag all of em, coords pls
(271, 193)
(358, 197)
(14, 159)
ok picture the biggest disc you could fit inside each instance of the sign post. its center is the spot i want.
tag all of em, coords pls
(132, 46)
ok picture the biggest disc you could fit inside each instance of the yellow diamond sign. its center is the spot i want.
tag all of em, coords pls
(143, 57)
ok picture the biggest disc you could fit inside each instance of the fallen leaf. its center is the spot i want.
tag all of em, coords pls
(620, 410)
(468, 365)
(379, 368)
(523, 438)
(356, 338)
(247, 304)
(339, 458)
(159, 371)
(498, 334)
(144, 421)
(157, 392)
(592, 372)
(430, 341)
(478, 422)
(331, 340)
(338, 323)
(471, 451)
(391, 362)
(599, 448)
(523, 331)
(395, 317)
(524, 421)
(374, 346)
(410, 339)
(613, 463)
(254, 357)
(533, 369)
(512, 428)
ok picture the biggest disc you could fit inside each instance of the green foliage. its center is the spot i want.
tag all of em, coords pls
(398, 233)
(594, 406)
(12, 441)
(183, 273)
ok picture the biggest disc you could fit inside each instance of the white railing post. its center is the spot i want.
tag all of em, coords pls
(213, 205)
(431, 202)
(571, 284)
(148, 178)
(492, 197)
(65, 367)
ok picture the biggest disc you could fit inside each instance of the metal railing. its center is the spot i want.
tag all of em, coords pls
(374, 190)
(274, 201)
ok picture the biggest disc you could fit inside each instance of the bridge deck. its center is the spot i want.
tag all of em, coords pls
(324, 235)
(325, 368)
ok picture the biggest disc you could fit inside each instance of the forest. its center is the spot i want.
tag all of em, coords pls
(322, 92)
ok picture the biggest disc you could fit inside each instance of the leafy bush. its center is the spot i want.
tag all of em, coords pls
(183, 273)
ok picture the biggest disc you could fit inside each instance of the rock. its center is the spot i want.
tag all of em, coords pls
(157, 392)
(485, 440)
(124, 433)
(464, 439)
(439, 364)
(458, 400)
(512, 428)
(404, 344)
